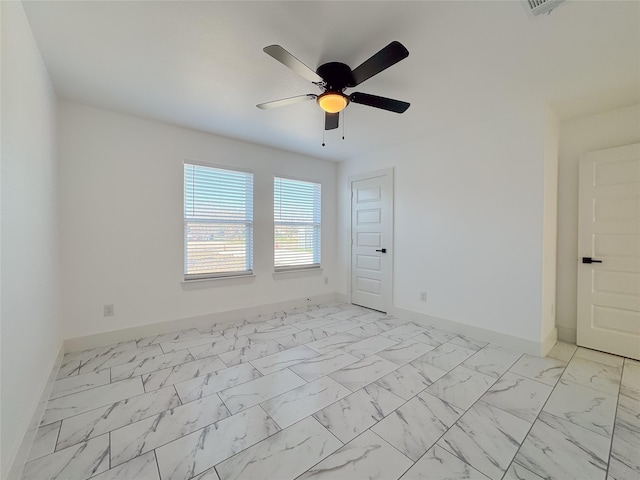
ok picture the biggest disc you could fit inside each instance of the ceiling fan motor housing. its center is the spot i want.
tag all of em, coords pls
(336, 75)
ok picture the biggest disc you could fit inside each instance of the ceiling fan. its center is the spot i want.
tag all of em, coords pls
(334, 78)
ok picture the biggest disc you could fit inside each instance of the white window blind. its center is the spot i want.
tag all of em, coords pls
(296, 211)
(218, 222)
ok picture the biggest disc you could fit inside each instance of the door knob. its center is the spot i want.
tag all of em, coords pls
(590, 260)
(383, 250)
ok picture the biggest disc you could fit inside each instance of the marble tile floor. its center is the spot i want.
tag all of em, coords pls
(337, 392)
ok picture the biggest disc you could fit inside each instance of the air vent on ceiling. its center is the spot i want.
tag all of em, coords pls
(538, 7)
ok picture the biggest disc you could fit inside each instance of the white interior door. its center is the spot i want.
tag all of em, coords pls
(609, 232)
(372, 241)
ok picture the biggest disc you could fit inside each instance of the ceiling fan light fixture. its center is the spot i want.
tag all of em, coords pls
(332, 102)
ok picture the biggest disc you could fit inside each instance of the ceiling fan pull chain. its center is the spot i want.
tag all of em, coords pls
(344, 116)
(323, 137)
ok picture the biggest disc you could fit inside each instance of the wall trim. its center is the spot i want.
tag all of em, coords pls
(491, 336)
(132, 333)
(548, 342)
(19, 459)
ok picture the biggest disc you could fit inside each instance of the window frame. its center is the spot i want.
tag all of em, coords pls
(317, 245)
(249, 240)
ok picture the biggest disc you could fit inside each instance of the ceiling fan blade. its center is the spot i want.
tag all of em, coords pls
(287, 101)
(331, 121)
(389, 55)
(379, 102)
(288, 60)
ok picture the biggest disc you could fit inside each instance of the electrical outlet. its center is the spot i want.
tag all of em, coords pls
(108, 310)
(423, 296)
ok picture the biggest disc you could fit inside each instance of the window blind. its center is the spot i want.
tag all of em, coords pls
(297, 221)
(218, 222)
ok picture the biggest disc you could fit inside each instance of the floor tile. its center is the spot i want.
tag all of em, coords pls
(429, 372)
(369, 346)
(363, 372)
(244, 330)
(370, 329)
(583, 406)
(296, 404)
(120, 358)
(45, 440)
(323, 364)
(80, 428)
(284, 359)
(492, 361)
(140, 468)
(78, 383)
(181, 373)
(150, 364)
(552, 441)
(600, 357)
(404, 332)
(372, 317)
(631, 375)
(143, 436)
(406, 382)
(405, 352)
(366, 457)
(468, 342)
(78, 462)
(546, 370)
(334, 341)
(625, 461)
(167, 337)
(86, 400)
(301, 338)
(435, 337)
(520, 396)
(562, 351)
(220, 345)
(599, 376)
(395, 321)
(486, 438)
(518, 472)
(215, 382)
(274, 333)
(354, 414)
(438, 463)
(85, 356)
(461, 387)
(210, 474)
(187, 343)
(448, 356)
(256, 391)
(197, 452)
(418, 424)
(342, 326)
(284, 456)
(252, 352)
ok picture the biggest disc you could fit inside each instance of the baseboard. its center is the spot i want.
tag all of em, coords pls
(548, 342)
(132, 333)
(567, 334)
(486, 335)
(18, 460)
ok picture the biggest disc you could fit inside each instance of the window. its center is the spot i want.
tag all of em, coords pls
(218, 222)
(296, 215)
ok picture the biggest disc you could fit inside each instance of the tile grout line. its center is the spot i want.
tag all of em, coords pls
(615, 418)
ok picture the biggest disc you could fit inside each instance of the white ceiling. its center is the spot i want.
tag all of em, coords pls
(201, 65)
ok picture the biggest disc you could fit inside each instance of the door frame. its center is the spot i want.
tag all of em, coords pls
(365, 176)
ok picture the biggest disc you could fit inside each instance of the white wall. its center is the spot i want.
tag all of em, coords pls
(468, 223)
(613, 128)
(30, 309)
(122, 222)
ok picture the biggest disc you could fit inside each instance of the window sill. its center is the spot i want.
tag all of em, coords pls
(300, 272)
(203, 282)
